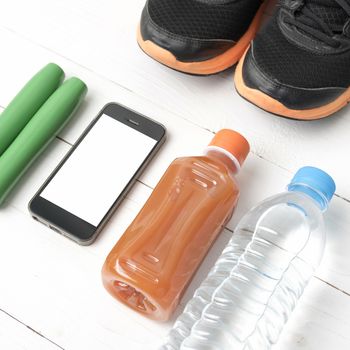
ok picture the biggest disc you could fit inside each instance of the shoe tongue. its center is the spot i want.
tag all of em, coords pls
(329, 11)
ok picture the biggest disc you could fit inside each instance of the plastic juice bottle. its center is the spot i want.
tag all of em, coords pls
(157, 256)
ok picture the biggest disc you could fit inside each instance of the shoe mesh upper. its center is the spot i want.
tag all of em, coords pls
(328, 10)
(204, 19)
(282, 60)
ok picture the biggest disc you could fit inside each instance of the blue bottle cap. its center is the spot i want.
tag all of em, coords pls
(314, 182)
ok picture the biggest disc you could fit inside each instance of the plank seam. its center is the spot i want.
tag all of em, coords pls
(333, 286)
(31, 329)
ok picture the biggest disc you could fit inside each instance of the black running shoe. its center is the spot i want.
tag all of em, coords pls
(198, 36)
(298, 66)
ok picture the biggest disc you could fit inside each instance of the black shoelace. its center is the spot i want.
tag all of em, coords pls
(306, 20)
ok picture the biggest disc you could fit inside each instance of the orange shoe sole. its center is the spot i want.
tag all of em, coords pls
(271, 105)
(211, 66)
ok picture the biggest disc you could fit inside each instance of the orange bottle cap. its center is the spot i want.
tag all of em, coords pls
(232, 142)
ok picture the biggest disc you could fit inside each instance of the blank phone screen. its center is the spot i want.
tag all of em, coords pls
(95, 174)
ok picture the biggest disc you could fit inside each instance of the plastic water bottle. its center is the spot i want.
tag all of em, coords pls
(254, 286)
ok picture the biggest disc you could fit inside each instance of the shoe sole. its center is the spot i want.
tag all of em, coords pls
(271, 105)
(211, 66)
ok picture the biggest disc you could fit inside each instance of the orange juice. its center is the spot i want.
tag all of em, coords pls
(157, 256)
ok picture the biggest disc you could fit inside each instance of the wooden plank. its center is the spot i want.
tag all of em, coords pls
(102, 38)
(63, 271)
(320, 321)
(258, 179)
(54, 286)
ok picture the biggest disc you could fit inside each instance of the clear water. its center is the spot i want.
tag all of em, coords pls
(254, 286)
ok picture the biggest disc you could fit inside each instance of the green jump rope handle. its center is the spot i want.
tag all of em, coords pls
(27, 102)
(37, 134)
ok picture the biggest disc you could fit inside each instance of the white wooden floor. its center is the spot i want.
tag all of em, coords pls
(51, 296)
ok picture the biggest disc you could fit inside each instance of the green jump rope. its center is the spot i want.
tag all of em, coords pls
(27, 102)
(33, 119)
